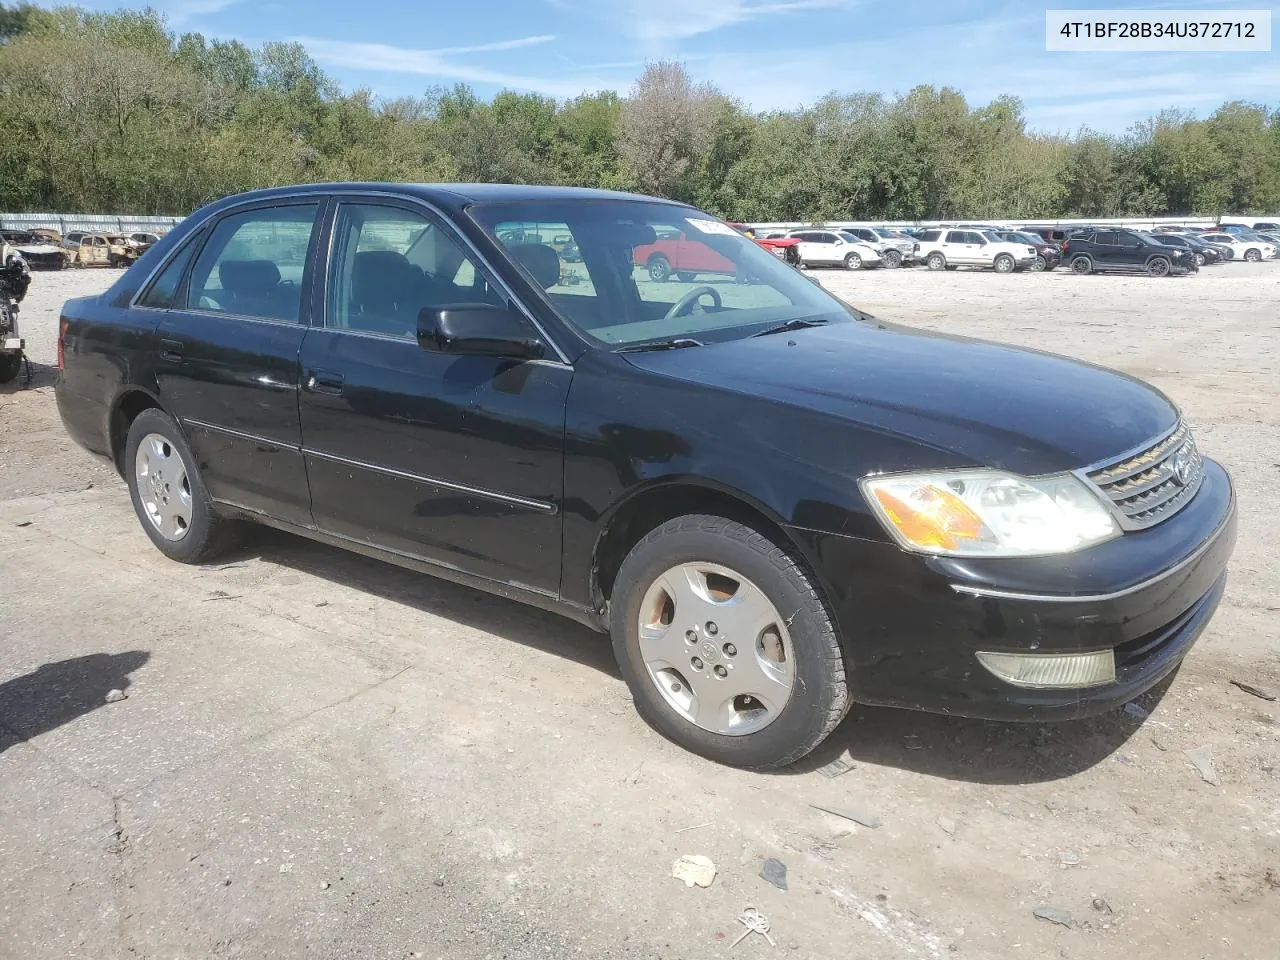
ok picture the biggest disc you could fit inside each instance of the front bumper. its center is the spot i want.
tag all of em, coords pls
(912, 625)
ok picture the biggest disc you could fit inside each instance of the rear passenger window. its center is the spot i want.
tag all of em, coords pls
(162, 290)
(253, 263)
(930, 236)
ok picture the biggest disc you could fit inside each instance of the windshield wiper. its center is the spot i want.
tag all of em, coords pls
(799, 323)
(675, 343)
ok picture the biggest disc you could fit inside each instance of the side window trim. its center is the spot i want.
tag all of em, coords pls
(320, 202)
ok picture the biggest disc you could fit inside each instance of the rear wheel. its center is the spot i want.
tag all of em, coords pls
(1158, 267)
(168, 494)
(853, 262)
(726, 645)
(936, 261)
(10, 365)
(1004, 263)
(659, 268)
(1081, 265)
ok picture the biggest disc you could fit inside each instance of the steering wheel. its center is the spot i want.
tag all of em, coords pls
(685, 303)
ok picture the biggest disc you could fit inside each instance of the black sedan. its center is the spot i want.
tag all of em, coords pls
(776, 504)
(1204, 253)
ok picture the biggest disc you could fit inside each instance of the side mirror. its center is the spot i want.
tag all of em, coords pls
(478, 329)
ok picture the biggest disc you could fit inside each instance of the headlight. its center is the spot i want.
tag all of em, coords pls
(988, 513)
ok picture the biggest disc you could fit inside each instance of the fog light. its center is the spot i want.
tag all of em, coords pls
(1052, 669)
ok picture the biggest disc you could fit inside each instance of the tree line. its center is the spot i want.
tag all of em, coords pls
(115, 113)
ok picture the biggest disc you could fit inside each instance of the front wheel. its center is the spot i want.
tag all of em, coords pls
(1199, 259)
(726, 645)
(1158, 267)
(892, 259)
(1038, 264)
(1082, 265)
(1253, 256)
(685, 276)
(168, 494)
(1004, 264)
(853, 262)
(936, 261)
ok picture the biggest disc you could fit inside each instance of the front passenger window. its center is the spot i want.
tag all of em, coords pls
(252, 265)
(389, 263)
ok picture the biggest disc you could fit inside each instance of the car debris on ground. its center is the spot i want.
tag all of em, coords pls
(694, 869)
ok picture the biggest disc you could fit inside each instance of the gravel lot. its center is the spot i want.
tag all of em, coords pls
(323, 755)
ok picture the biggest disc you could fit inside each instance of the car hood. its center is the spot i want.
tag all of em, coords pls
(986, 403)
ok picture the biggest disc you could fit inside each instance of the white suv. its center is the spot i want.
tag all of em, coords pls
(1242, 248)
(951, 248)
(831, 248)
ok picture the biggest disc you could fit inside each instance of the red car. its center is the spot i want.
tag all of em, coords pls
(679, 254)
(784, 248)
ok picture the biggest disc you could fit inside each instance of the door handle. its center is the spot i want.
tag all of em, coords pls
(171, 350)
(324, 381)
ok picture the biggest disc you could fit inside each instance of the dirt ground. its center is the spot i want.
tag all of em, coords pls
(321, 755)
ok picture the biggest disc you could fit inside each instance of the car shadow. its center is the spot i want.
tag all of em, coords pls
(42, 375)
(980, 751)
(508, 619)
(59, 692)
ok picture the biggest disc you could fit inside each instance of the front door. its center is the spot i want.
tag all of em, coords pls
(228, 356)
(455, 459)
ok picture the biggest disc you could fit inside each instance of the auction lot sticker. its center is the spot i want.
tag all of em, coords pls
(1135, 31)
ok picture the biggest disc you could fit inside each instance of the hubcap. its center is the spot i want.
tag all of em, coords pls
(716, 648)
(163, 486)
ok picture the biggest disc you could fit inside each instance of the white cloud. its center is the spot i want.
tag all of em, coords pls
(434, 63)
(658, 22)
(182, 12)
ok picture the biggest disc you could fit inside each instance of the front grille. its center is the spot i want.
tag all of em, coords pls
(1156, 483)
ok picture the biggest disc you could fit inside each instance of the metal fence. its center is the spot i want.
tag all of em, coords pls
(65, 223)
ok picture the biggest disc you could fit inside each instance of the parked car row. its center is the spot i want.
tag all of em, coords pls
(1164, 251)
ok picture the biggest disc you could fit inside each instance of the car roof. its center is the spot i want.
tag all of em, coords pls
(452, 195)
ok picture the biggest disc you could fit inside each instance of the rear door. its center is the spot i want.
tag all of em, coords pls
(455, 459)
(228, 355)
(1107, 251)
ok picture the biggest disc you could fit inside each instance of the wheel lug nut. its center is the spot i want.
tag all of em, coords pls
(712, 628)
(730, 650)
(691, 636)
(721, 672)
(675, 688)
(696, 662)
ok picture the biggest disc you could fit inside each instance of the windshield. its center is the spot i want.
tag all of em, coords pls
(641, 272)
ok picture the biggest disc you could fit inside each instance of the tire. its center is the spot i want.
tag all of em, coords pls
(792, 255)
(1039, 264)
(1081, 265)
(1253, 255)
(775, 730)
(1158, 267)
(936, 261)
(1004, 264)
(1199, 259)
(10, 366)
(685, 276)
(852, 261)
(207, 533)
(659, 268)
(892, 259)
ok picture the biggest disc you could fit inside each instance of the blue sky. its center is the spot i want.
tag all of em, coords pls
(771, 54)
